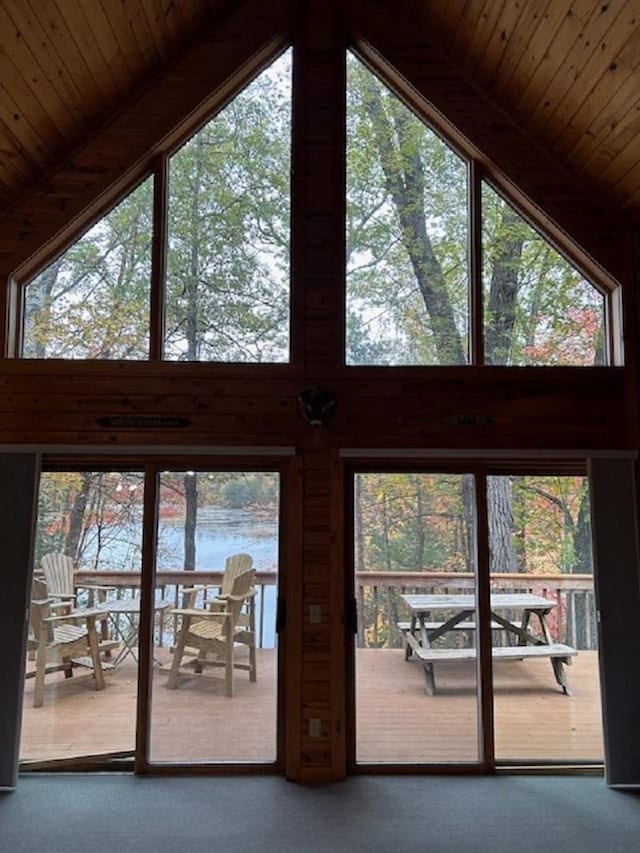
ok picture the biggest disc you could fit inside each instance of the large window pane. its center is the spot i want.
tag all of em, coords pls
(93, 301)
(407, 269)
(414, 547)
(86, 582)
(541, 568)
(538, 309)
(227, 294)
(215, 671)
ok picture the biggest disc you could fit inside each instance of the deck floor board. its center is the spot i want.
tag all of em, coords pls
(396, 720)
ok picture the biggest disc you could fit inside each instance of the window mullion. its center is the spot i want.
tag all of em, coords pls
(158, 257)
(475, 263)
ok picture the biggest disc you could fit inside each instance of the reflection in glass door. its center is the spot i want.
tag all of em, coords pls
(415, 579)
(214, 677)
(545, 669)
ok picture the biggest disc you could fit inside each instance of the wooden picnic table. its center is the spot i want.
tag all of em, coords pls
(460, 614)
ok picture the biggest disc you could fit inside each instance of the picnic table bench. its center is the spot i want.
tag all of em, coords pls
(421, 631)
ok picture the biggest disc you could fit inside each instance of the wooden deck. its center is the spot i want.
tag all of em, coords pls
(396, 720)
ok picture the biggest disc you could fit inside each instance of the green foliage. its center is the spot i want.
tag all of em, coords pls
(412, 522)
(228, 245)
(93, 301)
(251, 490)
(407, 239)
(559, 316)
(93, 516)
(406, 197)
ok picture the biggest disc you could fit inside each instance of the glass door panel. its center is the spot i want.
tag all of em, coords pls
(415, 578)
(214, 696)
(545, 668)
(81, 667)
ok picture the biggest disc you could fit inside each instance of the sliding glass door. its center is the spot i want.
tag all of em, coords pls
(215, 661)
(546, 682)
(414, 546)
(192, 678)
(432, 551)
(80, 694)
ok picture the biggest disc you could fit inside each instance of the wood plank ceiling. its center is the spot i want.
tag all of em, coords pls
(568, 72)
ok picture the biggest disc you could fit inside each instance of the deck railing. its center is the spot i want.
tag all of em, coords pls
(171, 583)
(380, 607)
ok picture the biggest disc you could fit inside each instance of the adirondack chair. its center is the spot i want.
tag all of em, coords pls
(58, 571)
(60, 642)
(208, 634)
(246, 625)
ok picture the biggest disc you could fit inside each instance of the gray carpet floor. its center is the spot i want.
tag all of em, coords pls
(373, 814)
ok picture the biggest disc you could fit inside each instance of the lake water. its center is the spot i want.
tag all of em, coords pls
(220, 532)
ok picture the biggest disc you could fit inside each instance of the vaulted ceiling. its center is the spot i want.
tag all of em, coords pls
(567, 72)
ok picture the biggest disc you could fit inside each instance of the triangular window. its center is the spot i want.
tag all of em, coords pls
(538, 309)
(227, 292)
(92, 302)
(407, 234)
(411, 298)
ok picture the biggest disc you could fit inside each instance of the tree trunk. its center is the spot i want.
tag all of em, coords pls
(501, 545)
(77, 514)
(471, 527)
(503, 291)
(405, 182)
(38, 303)
(190, 520)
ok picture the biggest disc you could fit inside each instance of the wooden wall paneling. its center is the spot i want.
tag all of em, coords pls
(318, 191)
(444, 407)
(156, 17)
(317, 750)
(590, 67)
(318, 269)
(516, 19)
(138, 25)
(5, 313)
(182, 16)
(47, 54)
(98, 20)
(613, 152)
(483, 35)
(492, 51)
(537, 28)
(492, 132)
(74, 59)
(466, 24)
(38, 73)
(592, 125)
(537, 95)
(108, 162)
(101, 85)
(130, 60)
(292, 594)
(24, 140)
